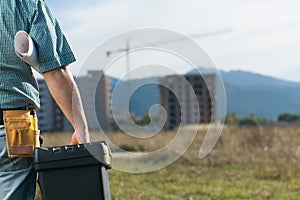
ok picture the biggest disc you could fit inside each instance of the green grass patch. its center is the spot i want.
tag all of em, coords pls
(191, 182)
(247, 163)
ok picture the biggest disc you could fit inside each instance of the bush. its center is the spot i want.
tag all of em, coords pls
(251, 120)
(132, 148)
(232, 119)
(286, 117)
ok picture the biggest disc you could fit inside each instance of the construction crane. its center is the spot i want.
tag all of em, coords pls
(194, 36)
(128, 48)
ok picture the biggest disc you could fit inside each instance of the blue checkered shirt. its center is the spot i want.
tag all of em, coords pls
(18, 86)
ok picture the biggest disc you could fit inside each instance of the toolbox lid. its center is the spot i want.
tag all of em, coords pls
(94, 153)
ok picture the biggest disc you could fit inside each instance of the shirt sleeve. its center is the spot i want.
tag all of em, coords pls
(51, 44)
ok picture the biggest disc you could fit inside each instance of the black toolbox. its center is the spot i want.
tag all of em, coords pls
(75, 172)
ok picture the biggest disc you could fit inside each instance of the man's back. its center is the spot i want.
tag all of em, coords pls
(19, 89)
(15, 75)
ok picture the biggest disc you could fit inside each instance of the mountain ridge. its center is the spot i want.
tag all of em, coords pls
(247, 93)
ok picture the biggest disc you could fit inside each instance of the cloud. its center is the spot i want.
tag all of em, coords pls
(265, 35)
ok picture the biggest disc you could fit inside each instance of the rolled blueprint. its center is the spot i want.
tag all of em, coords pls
(25, 49)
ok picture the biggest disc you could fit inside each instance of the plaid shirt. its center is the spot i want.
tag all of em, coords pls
(18, 86)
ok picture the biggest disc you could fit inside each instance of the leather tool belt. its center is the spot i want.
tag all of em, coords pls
(22, 134)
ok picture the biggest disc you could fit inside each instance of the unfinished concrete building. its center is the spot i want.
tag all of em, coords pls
(188, 99)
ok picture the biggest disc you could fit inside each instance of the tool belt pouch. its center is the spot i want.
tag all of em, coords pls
(22, 134)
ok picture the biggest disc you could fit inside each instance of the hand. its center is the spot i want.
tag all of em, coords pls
(75, 139)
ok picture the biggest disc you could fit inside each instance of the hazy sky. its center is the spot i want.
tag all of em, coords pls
(265, 35)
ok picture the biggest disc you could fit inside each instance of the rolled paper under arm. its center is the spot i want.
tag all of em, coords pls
(25, 49)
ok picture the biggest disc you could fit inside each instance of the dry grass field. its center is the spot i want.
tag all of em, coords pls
(246, 163)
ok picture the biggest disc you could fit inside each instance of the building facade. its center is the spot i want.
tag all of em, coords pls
(95, 89)
(50, 117)
(188, 99)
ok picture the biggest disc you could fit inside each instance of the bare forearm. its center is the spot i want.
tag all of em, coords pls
(65, 92)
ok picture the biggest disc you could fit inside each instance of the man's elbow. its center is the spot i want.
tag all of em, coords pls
(59, 72)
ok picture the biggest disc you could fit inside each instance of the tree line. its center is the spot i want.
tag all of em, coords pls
(252, 120)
